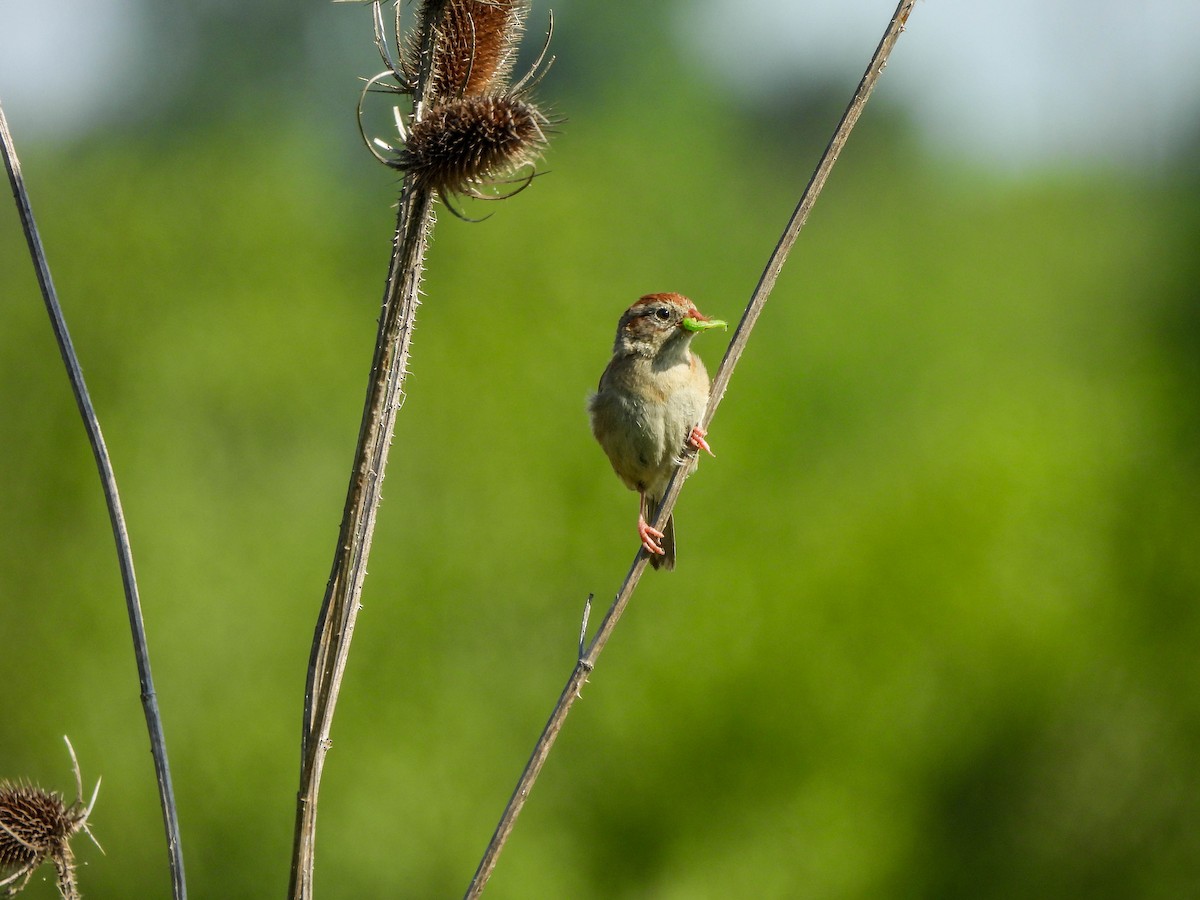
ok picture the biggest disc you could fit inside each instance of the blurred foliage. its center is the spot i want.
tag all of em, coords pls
(933, 627)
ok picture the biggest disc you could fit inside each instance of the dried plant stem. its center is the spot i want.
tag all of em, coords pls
(587, 659)
(141, 652)
(335, 625)
(385, 392)
(469, 39)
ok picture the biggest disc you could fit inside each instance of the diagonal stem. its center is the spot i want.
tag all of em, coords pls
(737, 345)
(141, 651)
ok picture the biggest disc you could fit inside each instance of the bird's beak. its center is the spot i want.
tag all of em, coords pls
(696, 321)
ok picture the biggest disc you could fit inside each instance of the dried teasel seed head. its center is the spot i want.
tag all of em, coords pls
(472, 142)
(474, 45)
(33, 824)
(36, 826)
(470, 127)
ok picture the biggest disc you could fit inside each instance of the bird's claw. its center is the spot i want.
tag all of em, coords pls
(650, 538)
(697, 442)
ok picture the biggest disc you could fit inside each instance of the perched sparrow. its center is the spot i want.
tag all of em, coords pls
(647, 409)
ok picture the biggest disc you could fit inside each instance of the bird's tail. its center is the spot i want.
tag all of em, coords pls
(667, 560)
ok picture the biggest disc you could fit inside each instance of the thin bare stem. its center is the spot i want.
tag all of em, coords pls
(737, 345)
(141, 651)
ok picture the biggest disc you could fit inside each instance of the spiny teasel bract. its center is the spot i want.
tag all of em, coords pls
(37, 825)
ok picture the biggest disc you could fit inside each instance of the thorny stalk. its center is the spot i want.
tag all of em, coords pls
(339, 608)
(141, 651)
(587, 658)
(448, 32)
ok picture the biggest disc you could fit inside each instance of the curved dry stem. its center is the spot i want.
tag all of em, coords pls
(116, 516)
(587, 659)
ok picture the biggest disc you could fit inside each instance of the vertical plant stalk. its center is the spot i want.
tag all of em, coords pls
(385, 392)
(468, 128)
(339, 609)
(587, 658)
(141, 651)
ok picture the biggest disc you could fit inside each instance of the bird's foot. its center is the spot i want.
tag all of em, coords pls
(697, 442)
(650, 537)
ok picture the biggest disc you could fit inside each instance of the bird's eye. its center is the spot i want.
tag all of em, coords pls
(662, 314)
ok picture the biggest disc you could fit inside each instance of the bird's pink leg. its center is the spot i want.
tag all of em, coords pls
(697, 442)
(646, 533)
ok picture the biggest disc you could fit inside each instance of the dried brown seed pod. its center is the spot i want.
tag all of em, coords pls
(473, 129)
(36, 826)
(470, 143)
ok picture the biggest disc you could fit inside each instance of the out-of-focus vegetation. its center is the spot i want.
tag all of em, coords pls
(933, 629)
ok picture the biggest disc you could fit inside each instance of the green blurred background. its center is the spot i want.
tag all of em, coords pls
(933, 631)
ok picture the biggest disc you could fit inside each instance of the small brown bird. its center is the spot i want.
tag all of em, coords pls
(647, 409)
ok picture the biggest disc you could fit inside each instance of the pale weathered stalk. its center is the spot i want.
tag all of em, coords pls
(446, 28)
(339, 609)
